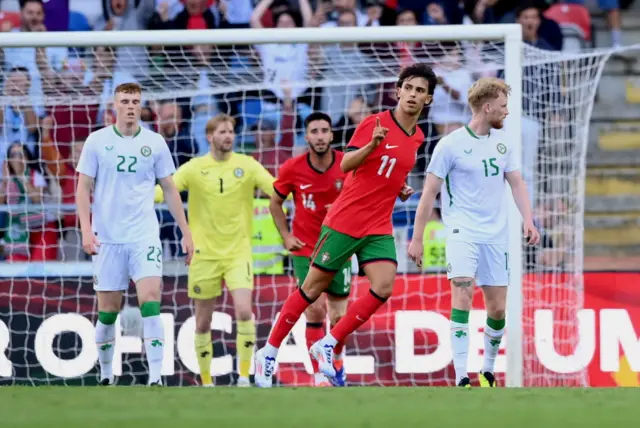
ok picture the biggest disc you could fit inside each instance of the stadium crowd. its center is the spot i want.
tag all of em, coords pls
(42, 132)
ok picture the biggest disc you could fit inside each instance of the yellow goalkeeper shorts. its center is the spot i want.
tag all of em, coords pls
(206, 276)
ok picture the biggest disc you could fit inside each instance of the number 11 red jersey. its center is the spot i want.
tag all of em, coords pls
(366, 202)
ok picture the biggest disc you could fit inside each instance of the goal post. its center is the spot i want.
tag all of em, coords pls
(387, 352)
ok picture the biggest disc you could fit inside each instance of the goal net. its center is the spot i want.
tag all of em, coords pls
(47, 305)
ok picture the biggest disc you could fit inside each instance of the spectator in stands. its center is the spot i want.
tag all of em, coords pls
(183, 148)
(75, 121)
(63, 169)
(285, 63)
(542, 100)
(175, 131)
(614, 18)
(196, 15)
(346, 126)
(529, 17)
(339, 62)
(443, 13)
(478, 12)
(127, 15)
(32, 20)
(235, 13)
(270, 152)
(18, 120)
(32, 234)
(450, 109)
(328, 13)
(105, 74)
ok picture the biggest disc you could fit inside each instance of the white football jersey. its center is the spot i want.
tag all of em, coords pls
(473, 196)
(125, 170)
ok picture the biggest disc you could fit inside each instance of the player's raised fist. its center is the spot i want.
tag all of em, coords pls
(90, 243)
(188, 248)
(379, 133)
(416, 250)
(291, 243)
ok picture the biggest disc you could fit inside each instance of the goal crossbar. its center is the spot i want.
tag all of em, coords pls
(507, 32)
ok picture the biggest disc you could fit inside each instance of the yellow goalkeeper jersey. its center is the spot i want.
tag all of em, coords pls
(221, 202)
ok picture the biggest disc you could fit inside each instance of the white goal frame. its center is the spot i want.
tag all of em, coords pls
(509, 34)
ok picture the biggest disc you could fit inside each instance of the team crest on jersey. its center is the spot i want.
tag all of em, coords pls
(325, 257)
(449, 267)
(95, 280)
(339, 185)
(238, 172)
(502, 149)
(145, 151)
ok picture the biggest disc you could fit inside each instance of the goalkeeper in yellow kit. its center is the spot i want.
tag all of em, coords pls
(221, 187)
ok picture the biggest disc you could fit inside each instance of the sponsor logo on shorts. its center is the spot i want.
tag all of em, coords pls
(238, 172)
(196, 289)
(468, 152)
(449, 267)
(95, 280)
(456, 230)
(145, 151)
(325, 257)
(339, 184)
(108, 148)
(502, 149)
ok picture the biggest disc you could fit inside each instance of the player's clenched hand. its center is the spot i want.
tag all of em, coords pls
(90, 243)
(379, 133)
(531, 232)
(291, 243)
(416, 250)
(406, 192)
(187, 248)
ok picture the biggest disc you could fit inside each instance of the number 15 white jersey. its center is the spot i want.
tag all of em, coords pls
(474, 200)
(125, 170)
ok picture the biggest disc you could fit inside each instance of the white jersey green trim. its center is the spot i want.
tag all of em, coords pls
(473, 169)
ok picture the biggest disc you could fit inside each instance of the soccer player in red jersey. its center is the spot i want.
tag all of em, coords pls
(315, 180)
(379, 157)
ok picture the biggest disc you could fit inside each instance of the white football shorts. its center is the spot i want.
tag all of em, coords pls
(115, 264)
(487, 263)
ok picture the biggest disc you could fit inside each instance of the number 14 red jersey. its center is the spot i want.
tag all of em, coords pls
(366, 203)
(313, 192)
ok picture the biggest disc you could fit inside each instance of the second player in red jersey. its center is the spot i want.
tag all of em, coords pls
(315, 180)
(382, 153)
(314, 191)
(366, 204)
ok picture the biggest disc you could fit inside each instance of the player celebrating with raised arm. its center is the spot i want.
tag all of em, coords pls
(469, 167)
(121, 232)
(380, 155)
(221, 186)
(315, 179)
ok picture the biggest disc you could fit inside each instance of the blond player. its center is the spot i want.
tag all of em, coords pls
(471, 167)
(121, 164)
(221, 187)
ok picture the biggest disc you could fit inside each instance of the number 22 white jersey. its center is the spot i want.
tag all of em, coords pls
(125, 170)
(473, 196)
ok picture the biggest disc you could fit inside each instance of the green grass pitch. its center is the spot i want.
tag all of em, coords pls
(122, 407)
